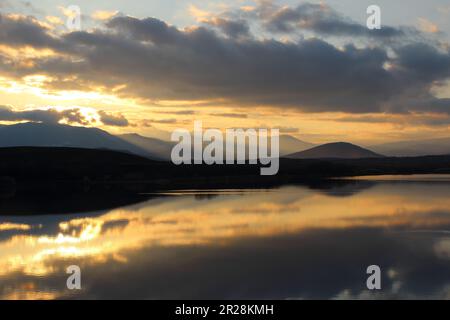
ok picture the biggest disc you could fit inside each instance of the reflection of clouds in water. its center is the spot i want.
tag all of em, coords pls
(293, 243)
(312, 264)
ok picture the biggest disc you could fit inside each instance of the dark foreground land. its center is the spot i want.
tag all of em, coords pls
(65, 180)
(89, 167)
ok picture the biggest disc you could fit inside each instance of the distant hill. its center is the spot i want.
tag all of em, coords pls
(160, 148)
(415, 148)
(337, 150)
(290, 144)
(58, 135)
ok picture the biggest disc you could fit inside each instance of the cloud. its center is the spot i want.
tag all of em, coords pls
(43, 115)
(224, 68)
(198, 13)
(231, 115)
(109, 119)
(231, 28)
(104, 14)
(52, 115)
(428, 26)
(54, 20)
(16, 30)
(198, 65)
(163, 121)
(287, 129)
(177, 112)
(319, 18)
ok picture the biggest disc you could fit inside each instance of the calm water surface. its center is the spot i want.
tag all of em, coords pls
(293, 242)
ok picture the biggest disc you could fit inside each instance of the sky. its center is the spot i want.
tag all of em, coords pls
(310, 68)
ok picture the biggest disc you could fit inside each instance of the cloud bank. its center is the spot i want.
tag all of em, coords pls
(53, 116)
(224, 62)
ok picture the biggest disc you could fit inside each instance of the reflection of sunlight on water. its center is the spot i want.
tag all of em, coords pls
(14, 226)
(28, 292)
(186, 221)
(89, 231)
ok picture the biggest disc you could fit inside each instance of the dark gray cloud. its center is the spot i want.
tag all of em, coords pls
(319, 18)
(230, 115)
(178, 112)
(149, 29)
(73, 116)
(199, 65)
(163, 121)
(113, 120)
(149, 122)
(47, 116)
(424, 62)
(26, 31)
(157, 61)
(231, 28)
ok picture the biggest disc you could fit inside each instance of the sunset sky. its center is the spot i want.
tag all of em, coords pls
(312, 69)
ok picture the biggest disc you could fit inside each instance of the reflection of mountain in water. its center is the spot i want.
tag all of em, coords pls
(341, 188)
(67, 200)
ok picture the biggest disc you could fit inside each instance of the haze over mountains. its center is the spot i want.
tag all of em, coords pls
(160, 148)
(58, 135)
(289, 144)
(414, 148)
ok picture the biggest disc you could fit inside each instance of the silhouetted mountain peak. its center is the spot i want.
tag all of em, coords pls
(338, 150)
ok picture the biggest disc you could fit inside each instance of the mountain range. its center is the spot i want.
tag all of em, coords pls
(32, 134)
(57, 135)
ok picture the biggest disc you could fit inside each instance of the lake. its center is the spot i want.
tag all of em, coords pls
(293, 242)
